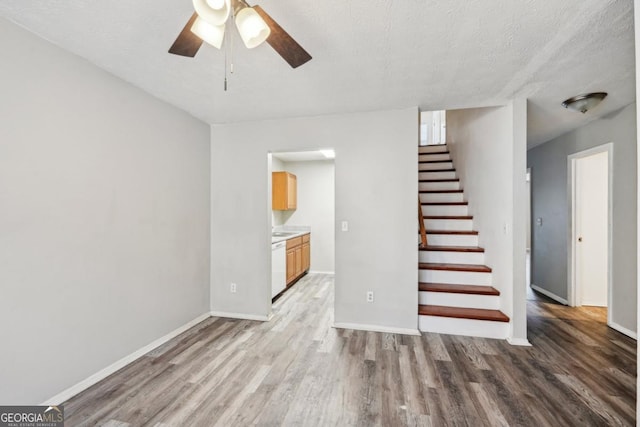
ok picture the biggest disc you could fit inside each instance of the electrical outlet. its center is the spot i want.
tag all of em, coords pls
(369, 296)
(233, 288)
(345, 226)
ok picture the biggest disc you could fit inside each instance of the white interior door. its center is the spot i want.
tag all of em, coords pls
(591, 246)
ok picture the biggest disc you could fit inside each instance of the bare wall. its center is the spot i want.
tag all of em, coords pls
(104, 218)
(488, 149)
(548, 163)
(376, 186)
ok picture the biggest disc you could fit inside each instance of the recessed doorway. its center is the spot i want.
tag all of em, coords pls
(590, 185)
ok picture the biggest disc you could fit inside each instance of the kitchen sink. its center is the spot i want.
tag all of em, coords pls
(282, 233)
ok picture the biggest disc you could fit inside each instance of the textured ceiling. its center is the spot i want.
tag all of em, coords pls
(367, 55)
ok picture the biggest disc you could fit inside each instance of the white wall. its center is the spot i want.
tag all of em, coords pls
(316, 208)
(487, 146)
(548, 164)
(104, 218)
(277, 217)
(376, 186)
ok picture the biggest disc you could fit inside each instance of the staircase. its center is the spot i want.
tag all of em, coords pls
(455, 292)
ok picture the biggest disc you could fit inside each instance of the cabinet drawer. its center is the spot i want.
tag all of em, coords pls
(292, 243)
(306, 238)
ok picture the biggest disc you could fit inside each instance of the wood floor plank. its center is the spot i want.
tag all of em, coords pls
(297, 370)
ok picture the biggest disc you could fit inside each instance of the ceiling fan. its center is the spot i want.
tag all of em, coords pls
(254, 25)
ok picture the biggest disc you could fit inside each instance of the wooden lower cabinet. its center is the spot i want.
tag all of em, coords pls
(291, 265)
(298, 257)
(306, 256)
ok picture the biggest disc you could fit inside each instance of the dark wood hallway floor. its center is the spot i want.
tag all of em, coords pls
(298, 371)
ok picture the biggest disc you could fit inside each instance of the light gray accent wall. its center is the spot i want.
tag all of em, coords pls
(376, 186)
(104, 218)
(316, 208)
(549, 187)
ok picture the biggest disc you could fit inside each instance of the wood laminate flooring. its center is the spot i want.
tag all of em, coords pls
(296, 370)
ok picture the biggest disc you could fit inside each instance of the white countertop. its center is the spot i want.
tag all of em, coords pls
(296, 232)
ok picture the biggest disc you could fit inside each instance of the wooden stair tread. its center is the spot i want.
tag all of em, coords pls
(440, 191)
(449, 217)
(439, 180)
(439, 170)
(458, 289)
(473, 268)
(444, 203)
(463, 313)
(435, 161)
(453, 248)
(457, 232)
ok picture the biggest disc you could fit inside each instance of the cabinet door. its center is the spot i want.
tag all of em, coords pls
(291, 265)
(292, 191)
(298, 260)
(306, 256)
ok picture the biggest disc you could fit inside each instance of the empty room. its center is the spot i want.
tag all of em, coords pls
(208, 213)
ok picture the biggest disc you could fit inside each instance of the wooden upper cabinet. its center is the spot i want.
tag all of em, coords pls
(284, 194)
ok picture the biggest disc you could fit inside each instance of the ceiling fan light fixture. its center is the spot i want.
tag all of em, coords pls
(252, 28)
(212, 34)
(584, 103)
(215, 12)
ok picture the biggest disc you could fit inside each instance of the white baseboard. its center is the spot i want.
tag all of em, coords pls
(241, 316)
(376, 328)
(623, 330)
(549, 294)
(522, 342)
(322, 272)
(102, 374)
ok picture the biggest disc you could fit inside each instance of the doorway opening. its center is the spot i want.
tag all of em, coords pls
(301, 210)
(590, 250)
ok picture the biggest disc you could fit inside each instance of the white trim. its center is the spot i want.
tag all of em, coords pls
(523, 342)
(241, 316)
(623, 330)
(549, 294)
(572, 294)
(322, 272)
(376, 328)
(103, 373)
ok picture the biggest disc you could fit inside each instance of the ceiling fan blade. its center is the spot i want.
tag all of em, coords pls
(187, 43)
(283, 43)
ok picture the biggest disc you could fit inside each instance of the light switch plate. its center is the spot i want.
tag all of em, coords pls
(345, 226)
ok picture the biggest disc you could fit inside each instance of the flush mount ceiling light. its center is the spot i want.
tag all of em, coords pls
(254, 25)
(584, 103)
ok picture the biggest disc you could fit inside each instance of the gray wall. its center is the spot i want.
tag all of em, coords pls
(548, 163)
(376, 186)
(104, 218)
(488, 149)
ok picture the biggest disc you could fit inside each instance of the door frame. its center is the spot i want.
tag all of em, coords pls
(572, 237)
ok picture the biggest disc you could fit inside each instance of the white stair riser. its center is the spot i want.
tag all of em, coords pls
(436, 175)
(434, 156)
(488, 302)
(454, 277)
(449, 224)
(434, 166)
(432, 149)
(441, 197)
(436, 186)
(451, 257)
(467, 327)
(452, 239)
(448, 210)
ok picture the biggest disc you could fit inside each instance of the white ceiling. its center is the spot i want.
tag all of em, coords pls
(367, 55)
